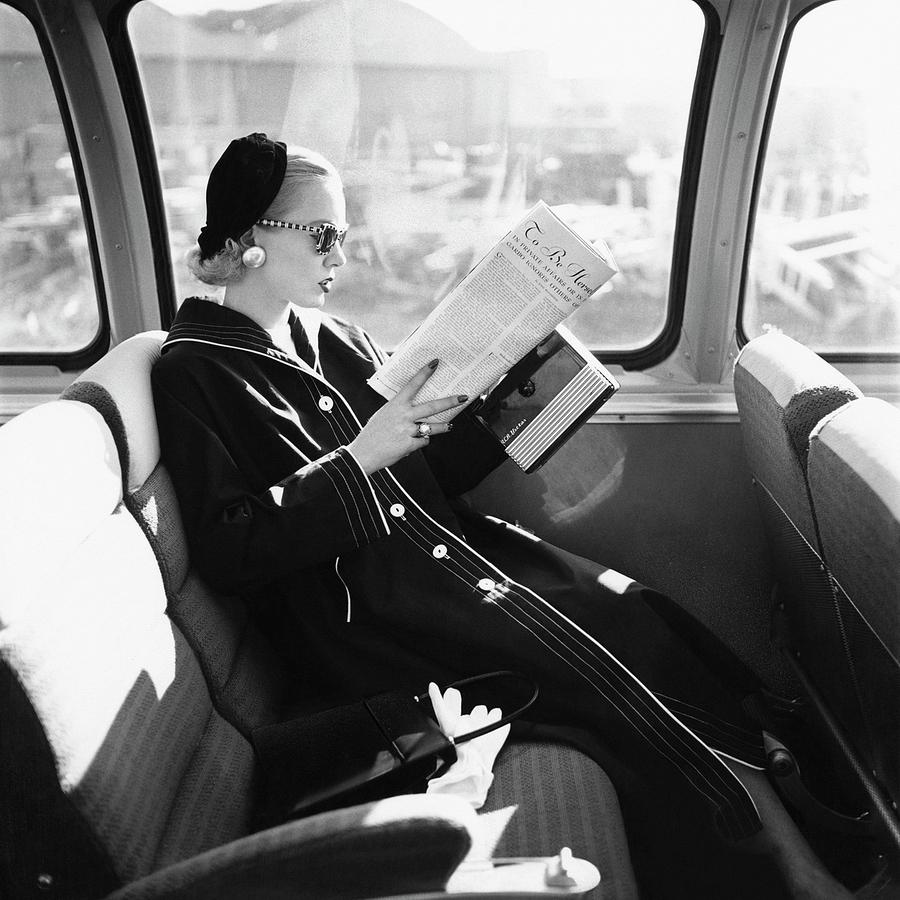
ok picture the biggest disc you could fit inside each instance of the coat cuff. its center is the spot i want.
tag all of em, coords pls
(364, 513)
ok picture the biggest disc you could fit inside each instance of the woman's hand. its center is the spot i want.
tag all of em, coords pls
(391, 433)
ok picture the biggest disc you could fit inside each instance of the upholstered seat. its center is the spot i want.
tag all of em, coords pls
(783, 390)
(825, 527)
(854, 480)
(544, 796)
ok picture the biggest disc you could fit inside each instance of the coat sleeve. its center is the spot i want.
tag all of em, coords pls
(241, 537)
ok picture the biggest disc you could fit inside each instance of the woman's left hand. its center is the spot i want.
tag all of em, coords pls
(393, 431)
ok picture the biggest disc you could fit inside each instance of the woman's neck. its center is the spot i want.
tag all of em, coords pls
(266, 311)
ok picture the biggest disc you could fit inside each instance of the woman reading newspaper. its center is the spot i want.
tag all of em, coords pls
(334, 514)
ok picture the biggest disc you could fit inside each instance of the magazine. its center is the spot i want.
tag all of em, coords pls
(537, 275)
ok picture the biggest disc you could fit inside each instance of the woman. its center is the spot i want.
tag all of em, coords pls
(328, 509)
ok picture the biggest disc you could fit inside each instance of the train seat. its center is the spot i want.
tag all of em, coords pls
(118, 777)
(783, 390)
(556, 795)
(786, 393)
(854, 479)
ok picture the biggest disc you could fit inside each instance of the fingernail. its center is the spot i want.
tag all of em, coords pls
(449, 426)
(462, 398)
(433, 364)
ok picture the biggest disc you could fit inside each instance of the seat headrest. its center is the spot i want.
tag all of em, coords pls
(787, 368)
(119, 387)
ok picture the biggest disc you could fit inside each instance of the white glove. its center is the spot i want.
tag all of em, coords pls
(471, 776)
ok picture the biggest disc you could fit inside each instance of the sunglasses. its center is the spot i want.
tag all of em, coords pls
(327, 235)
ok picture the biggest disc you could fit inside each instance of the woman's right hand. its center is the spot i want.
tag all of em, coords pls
(391, 432)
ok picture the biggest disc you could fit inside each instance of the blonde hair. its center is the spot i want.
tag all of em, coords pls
(226, 266)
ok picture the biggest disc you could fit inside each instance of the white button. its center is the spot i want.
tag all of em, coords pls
(439, 552)
(325, 404)
(397, 510)
(486, 584)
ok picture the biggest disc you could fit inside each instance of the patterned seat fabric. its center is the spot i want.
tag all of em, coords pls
(825, 461)
(536, 805)
(854, 479)
(783, 390)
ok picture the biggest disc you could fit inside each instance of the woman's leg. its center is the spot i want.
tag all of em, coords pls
(805, 876)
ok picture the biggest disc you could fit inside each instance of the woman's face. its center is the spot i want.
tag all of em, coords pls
(294, 270)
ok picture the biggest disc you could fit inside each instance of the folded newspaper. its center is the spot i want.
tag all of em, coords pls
(538, 274)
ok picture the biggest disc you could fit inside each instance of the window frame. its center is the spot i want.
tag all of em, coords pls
(115, 25)
(834, 356)
(665, 343)
(69, 360)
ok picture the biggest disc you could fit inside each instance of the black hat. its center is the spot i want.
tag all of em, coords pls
(241, 186)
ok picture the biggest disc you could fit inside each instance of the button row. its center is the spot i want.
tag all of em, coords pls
(439, 551)
(398, 510)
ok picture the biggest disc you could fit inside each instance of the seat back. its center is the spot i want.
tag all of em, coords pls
(112, 758)
(248, 686)
(783, 390)
(854, 478)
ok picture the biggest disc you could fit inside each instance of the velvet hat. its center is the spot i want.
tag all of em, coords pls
(241, 186)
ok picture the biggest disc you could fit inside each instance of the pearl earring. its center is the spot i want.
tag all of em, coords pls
(253, 257)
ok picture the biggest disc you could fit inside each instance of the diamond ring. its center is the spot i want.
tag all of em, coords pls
(423, 429)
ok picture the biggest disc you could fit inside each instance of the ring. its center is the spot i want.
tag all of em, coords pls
(423, 429)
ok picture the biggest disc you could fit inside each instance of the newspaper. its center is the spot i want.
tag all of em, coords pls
(533, 278)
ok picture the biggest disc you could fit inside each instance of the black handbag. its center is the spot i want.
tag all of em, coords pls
(382, 745)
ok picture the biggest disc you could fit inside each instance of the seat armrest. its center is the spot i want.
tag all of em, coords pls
(402, 845)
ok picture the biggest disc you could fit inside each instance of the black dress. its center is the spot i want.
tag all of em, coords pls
(374, 582)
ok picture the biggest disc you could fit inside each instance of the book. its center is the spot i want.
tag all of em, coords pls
(533, 278)
(544, 398)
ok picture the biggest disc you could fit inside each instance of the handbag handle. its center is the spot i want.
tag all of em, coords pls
(505, 720)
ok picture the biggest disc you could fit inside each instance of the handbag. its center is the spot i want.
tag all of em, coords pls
(376, 747)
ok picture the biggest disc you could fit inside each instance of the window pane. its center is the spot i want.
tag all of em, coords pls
(447, 120)
(825, 263)
(47, 297)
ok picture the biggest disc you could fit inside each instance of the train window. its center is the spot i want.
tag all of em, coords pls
(825, 260)
(48, 300)
(447, 121)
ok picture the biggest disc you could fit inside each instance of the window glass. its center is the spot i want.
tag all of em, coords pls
(825, 260)
(447, 121)
(48, 301)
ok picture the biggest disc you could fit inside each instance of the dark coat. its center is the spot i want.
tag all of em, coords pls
(369, 583)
